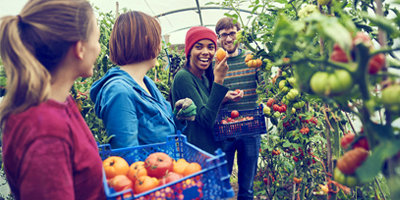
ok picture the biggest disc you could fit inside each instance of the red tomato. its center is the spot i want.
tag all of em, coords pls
(234, 114)
(283, 108)
(275, 107)
(362, 38)
(347, 140)
(224, 121)
(339, 55)
(376, 63)
(120, 182)
(270, 102)
(170, 177)
(230, 119)
(363, 143)
(237, 91)
(158, 164)
(351, 160)
(280, 109)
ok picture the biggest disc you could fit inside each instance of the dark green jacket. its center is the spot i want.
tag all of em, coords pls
(200, 131)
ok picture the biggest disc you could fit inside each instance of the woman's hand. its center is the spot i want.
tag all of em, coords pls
(233, 95)
(220, 70)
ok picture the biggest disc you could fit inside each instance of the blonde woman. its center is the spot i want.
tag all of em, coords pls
(48, 150)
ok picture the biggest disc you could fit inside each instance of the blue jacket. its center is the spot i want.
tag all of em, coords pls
(130, 114)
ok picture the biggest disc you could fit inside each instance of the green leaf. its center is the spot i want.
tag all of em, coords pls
(393, 62)
(288, 166)
(332, 29)
(383, 23)
(372, 166)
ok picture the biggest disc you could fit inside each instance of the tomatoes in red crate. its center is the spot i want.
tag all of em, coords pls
(234, 114)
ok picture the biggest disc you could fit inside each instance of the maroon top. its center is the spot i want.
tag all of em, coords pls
(50, 153)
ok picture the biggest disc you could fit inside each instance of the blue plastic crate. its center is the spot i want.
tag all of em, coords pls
(212, 182)
(241, 128)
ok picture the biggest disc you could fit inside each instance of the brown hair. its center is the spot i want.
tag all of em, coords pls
(226, 23)
(136, 37)
(32, 45)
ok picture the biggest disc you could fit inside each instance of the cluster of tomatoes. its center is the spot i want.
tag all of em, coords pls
(297, 180)
(282, 108)
(278, 108)
(253, 63)
(158, 169)
(276, 152)
(347, 165)
(375, 63)
(304, 130)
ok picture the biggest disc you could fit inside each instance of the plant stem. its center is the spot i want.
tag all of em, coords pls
(351, 123)
(380, 188)
(328, 144)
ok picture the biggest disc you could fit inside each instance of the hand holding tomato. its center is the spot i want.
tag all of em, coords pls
(220, 70)
(233, 96)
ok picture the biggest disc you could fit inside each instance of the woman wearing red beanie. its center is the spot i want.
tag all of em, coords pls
(198, 81)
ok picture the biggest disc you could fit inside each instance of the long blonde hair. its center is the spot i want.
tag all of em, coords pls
(32, 45)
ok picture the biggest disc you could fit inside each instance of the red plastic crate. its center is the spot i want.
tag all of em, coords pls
(241, 128)
(212, 182)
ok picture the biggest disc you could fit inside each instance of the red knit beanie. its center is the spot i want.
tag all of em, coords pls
(196, 34)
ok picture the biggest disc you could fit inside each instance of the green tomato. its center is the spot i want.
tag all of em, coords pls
(352, 181)
(239, 36)
(348, 180)
(299, 104)
(314, 172)
(318, 82)
(391, 98)
(292, 94)
(285, 101)
(292, 81)
(267, 110)
(282, 84)
(284, 74)
(307, 10)
(285, 89)
(340, 81)
(293, 110)
(277, 114)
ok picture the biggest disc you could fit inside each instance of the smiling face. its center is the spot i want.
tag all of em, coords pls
(201, 56)
(227, 38)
